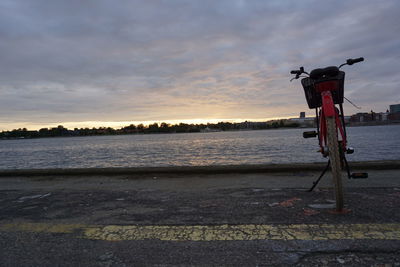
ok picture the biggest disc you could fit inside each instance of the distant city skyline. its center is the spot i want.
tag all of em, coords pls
(97, 63)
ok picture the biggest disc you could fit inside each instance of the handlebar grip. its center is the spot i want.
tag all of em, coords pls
(356, 60)
(294, 72)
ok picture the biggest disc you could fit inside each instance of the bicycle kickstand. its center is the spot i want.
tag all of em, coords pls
(347, 167)
(319, 178)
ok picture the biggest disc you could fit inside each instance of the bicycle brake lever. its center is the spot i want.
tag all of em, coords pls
(297, 76)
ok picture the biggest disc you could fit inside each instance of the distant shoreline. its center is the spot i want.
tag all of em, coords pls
(212, 131)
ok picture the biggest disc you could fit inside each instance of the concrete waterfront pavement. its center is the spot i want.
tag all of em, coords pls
(200, 219)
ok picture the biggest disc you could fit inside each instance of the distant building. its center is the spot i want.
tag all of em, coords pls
(374, 117)
(361, 117)
(394, 114)
(303, 121)
(208, 130)
(347, 119)
(382, 116)
(395, 108)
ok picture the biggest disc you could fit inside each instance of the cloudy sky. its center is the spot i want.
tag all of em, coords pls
(98, 63)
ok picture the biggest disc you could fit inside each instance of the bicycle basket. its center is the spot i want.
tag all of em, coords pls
(314, 98)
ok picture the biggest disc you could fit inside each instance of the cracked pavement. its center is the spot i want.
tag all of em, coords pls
(225, 219)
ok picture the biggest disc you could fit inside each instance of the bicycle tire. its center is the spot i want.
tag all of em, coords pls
(334, 157)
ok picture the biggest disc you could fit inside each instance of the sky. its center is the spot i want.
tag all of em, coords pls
(112, 63)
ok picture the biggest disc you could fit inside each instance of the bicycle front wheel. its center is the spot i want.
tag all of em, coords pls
(334, 157)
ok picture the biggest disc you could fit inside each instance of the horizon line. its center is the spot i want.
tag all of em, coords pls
(121, 124)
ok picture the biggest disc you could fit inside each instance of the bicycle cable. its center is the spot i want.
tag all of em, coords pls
(357, 107)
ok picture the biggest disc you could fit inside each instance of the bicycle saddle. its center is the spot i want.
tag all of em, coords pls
(326, 72)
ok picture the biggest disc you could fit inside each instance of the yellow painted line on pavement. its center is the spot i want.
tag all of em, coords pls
(41, 227)
(215, 232)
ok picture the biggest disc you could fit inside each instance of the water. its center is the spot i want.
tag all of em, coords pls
(194, 149)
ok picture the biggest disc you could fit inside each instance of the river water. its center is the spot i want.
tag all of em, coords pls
(192, 149)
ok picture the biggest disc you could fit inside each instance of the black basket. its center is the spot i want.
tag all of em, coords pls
(314, 98)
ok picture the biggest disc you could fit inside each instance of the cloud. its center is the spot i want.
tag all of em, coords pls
(157, 60)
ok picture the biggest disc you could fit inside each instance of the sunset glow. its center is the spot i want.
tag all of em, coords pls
(120, 124)
(193, 62)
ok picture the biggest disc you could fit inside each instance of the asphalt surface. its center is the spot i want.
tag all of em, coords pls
(254, 219)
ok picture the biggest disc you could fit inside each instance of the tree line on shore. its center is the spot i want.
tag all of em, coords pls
(154, 128)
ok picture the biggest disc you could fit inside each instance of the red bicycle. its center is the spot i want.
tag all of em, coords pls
(324, 89)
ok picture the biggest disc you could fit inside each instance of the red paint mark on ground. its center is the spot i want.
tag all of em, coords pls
(309, 212)
(289, 202)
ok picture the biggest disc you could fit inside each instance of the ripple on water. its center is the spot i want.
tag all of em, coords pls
(195, 149)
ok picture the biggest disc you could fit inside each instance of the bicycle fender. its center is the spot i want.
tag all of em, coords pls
(327, 104)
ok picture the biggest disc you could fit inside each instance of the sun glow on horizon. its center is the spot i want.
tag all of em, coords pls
(120, 124)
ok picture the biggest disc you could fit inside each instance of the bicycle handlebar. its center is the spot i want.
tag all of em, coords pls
(351, 61)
